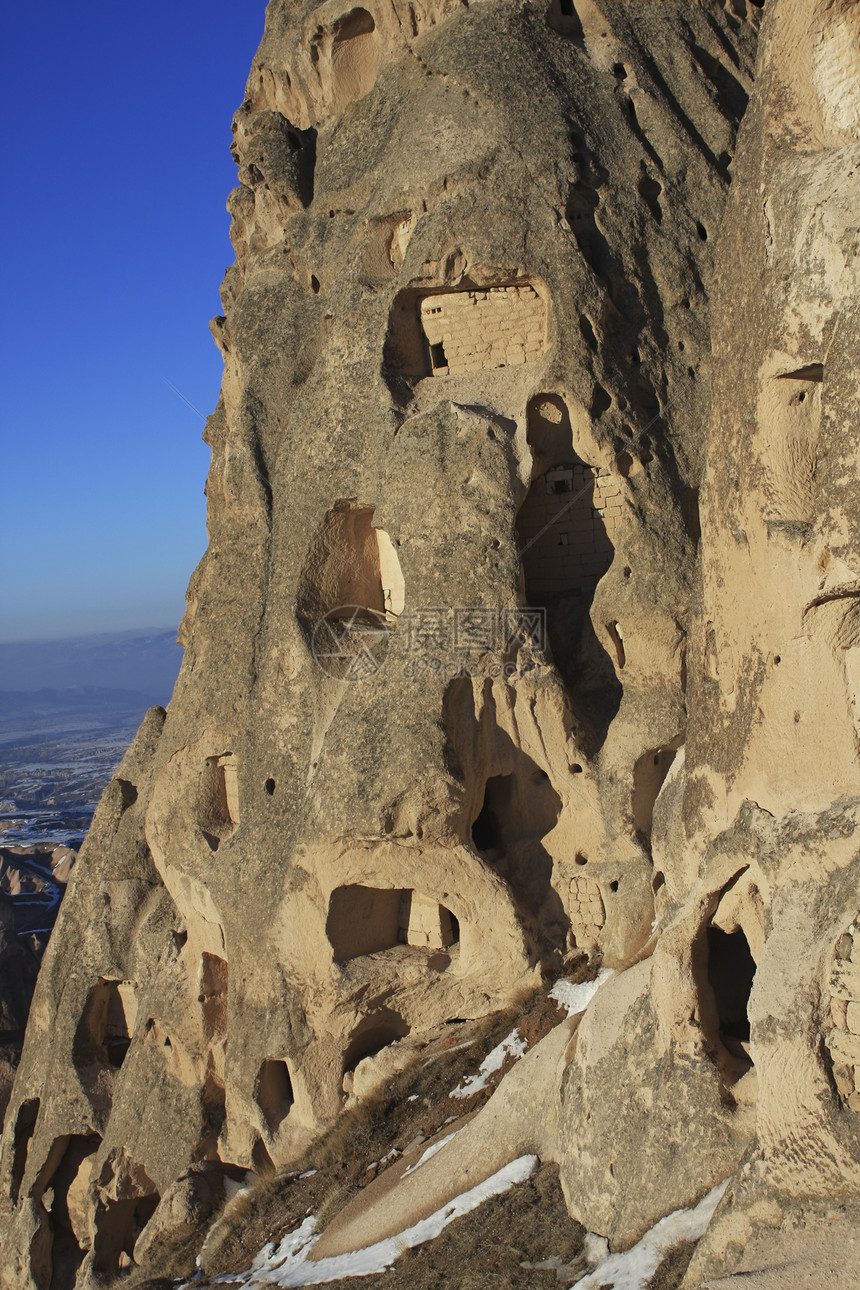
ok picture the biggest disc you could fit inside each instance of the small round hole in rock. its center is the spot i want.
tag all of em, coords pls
(613, 886)
(270, 787)
(315, 284)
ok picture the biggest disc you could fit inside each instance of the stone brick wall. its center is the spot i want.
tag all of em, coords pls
(582, 507)
(843, 1039)
(587, 912)
(496, 327)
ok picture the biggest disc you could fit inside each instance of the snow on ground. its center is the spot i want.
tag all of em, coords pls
(633, 1269)
(289, 1264)
(575, 997)
(511, 1046)
(431, 1151)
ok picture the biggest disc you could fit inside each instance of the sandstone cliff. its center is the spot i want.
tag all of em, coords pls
(476, 678)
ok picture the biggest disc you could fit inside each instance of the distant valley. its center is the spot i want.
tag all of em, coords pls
(68, 711)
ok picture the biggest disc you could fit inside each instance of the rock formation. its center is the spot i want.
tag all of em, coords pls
(472, 680)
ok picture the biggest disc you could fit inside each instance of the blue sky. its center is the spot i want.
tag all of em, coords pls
(117, 168)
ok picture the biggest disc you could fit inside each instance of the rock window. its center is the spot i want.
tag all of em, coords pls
(218, 799)
(369, 920)
(274, 1093)
(438, 358)
(25, 1127)
(351, 566)
(731, 969)
(107, 1024)
(369, 1038)
(566, 526)
(447, 333)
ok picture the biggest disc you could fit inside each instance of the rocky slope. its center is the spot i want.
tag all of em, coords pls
(526, 630)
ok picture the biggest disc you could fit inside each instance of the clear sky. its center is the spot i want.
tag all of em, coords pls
(114, 234)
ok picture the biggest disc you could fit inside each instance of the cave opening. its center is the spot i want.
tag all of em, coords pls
(61, 1187)
(25, 1127)
(370, 1037)
(731, 970)
(274, 1093)
(218, 799)
(369, 920)
(351, 571)
(566, 528)
(106, 1026)
(517, 812)
(120, 1222)
(487, 829)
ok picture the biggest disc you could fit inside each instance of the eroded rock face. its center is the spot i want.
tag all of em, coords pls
(469, 683)
(754, 839)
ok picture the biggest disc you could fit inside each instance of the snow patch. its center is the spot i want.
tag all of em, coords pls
(633, 1269)
(289, 1265)
(431, 1151)
(575, 997)
(511, 1046)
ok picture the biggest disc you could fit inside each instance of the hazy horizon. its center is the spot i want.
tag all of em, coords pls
(141, 629)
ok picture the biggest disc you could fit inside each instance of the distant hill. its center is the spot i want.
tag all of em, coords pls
(145, 662)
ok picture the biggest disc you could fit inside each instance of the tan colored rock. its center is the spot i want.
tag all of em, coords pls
(474, 370)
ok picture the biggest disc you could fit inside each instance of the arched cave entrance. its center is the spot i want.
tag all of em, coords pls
(649, 775)
(731, 969)
(725, 972)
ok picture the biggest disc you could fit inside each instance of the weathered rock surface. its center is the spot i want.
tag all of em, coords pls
(479, 361)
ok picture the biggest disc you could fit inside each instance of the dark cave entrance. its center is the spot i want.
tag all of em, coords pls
(731, 969)
(726, 989)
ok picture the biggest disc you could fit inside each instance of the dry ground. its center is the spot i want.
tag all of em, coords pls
(484, 1250)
